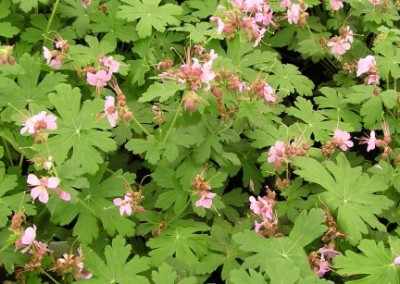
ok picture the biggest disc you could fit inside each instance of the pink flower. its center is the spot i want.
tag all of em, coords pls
(372, 79)
(366, 64)
(110, 63)
(251, 5)
(262, 207)
(370, 140)
(98, 79)
(269, 94)
(220, 23)
(339, 46)
(62, 194)
(39, 122)
(277, 152)
(48, 163)
(326, 255)
(375, 2)
(336, 4)
(285, 3)
(347, 34)
(41, 186)
(48, 55)
(111, 111)
(85, 3)
(28, 238)
(205, 200)
(397, 260)
(342, 139)
(294, 14)
(125, 205)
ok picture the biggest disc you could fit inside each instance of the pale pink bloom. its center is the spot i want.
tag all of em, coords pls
(56, 62)
(262, 207)
(369, 140)
(220, 23)
(326, 255)
(48, 163)
(98, 79)
(83, 273)
(285, 3)
(125, 205)
(265, 17)
(375, 2)
(397, 260)
(339, 46)
(336, 4)
(366, 64)
(373, 79)
(250, 5)
(269, 93)
(60, 43)
(257, 226)
(85, 3)
(29, 236)
(111, 64)
(342, 139)
(293, 14)
(347, 34)
(206, 200)
(41, 186)
(277, 152)
(207, 75)
(39, 122)
(62, 194)
(261, 34)
(110, 110)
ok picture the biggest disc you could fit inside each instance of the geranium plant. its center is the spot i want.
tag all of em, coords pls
(164, 141)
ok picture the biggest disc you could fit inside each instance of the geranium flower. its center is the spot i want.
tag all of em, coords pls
(342, 139)
(111, 64)
(276, 152)
(205, 200)
(28, 238)
(125, 205)
(294, 14)
(336, 4)
(366, 64)
(339, 45)
(41, 186)
(39, 122)
(98, 79)
(110, 110)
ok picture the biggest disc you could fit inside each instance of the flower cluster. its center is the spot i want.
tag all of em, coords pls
(264, 91)
(36, 249)
(203, 187)
(70, 263)
(263, 207)
(42, 185)
(373, 142)
(280, 153)
(54, 58)
(320, 261)
(253, 17)
(367, 65)
(296, 13)
(39, 122)
(131, 201)
(100, 77)
(340, 44)
(192, 73)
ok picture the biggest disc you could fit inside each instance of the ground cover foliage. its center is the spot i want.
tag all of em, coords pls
(163, 141)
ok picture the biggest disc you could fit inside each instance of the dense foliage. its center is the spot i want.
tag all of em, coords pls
(163, 141)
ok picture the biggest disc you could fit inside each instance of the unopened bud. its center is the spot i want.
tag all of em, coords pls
(127, 116)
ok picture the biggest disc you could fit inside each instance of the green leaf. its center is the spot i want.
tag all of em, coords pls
(308, 227)
(374, 262)
(116, 268)
(79, 129)
(297, 83)
(27, 90)
(27, 5)
(349, 192)
(149, 15)
(7, 30)
(241, 276)
(183, 243)
(162, 90)
(204, 9)
(165, 275)
(198, 33)
(265, 252)
(71, 9)
(151, 147)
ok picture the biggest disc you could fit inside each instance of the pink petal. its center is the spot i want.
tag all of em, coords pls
(53, 182)
(33, 180)
(117, 201)
(43, 196)
(29, 236)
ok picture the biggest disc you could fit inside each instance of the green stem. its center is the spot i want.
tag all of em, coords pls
(178, 111)
(53, 12)
(8, 153)
(21, 160)
(5, 247)
(143, 129)
(49, 276)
